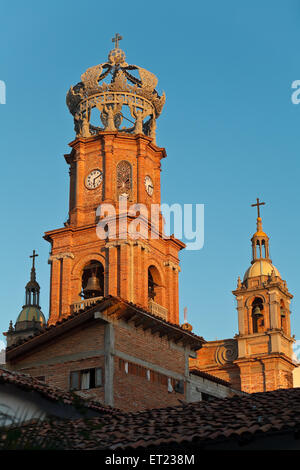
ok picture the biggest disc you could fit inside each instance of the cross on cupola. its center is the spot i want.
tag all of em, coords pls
(33, 256)
(116, 40)
(32, 287)
(257, 205)
(260, 241)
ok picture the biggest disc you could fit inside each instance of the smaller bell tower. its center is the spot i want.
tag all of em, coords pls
(31, 319)
(263, 305)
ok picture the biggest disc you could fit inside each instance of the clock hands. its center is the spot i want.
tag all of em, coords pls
(98, 176)
(94, 179)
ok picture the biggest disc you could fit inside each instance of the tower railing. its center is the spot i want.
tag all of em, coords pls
(158, 310)
(76, 306)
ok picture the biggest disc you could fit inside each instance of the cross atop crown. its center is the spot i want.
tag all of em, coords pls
(116, 40)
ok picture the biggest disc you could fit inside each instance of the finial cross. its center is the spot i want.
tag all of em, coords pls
(257, 205)
(116, 40)
(33, 256)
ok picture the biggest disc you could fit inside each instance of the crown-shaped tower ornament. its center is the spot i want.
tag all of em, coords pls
(129, 85)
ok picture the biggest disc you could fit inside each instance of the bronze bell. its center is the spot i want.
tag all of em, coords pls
(257, 312)
(93, 288)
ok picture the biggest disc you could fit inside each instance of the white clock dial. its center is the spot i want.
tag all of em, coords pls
(149, 185)
(94, 179)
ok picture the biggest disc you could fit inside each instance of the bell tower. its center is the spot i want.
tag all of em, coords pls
(113, 241)
(263, 305)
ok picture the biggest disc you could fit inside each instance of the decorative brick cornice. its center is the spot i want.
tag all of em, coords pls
(60, 256)
(171, 265)
(116, 243)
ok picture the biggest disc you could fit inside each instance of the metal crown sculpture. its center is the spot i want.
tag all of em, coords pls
(124, 89)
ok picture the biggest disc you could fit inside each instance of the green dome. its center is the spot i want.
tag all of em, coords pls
(29, 313)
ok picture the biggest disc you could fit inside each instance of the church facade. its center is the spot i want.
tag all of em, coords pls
(113, 331)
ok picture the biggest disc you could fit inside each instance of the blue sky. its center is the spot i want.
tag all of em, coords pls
(229, 127)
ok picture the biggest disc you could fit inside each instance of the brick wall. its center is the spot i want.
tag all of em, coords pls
(149, 347)
(266, 374)
(139, 388)
(84, 348)
(78, 341)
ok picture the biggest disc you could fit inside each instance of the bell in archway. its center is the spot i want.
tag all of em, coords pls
(93, 288)
(257, 312)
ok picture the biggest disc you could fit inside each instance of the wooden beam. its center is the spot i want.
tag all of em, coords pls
(156, 328)
(139, 321)
(148, 324)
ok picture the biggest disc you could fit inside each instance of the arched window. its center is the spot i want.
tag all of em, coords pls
(124, 179)
(92, 281)
(257, 315)
(154, 285)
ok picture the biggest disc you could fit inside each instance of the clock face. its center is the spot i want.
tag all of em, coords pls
(94, 179)
(149, 185)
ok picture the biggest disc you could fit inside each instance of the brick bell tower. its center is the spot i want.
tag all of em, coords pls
(114, 193)
(263, 304)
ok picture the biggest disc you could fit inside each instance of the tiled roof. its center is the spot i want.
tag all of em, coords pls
(201, 423)
(87, 313)
(26, 382)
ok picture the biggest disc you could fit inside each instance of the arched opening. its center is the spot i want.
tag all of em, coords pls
(257, 315)
(283, 317)
(92, 280)
(32, 294)
(258, 250)
(154, 285)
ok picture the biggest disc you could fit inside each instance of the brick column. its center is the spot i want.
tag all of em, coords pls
(169, 292)
(274, 320)
(66, 286)
(172, 291)
(55, 290)
(241, 315)
(60, 294)
(80, 168)
(288, 314)
(176, 295)
(112, 266)
(124, 270)
(72, 194)
(144, 276)
(141, 170)
(249, 319)
(109, 170)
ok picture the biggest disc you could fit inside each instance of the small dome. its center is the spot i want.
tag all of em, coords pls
(260, 233)
(261, 268)
(32, 285)
(30, 313)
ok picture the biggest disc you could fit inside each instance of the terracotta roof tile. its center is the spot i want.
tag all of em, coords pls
(26, 382)
(202, 422)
